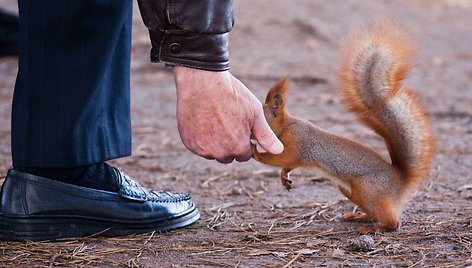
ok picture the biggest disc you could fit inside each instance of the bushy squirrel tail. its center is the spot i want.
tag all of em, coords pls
(375, 65)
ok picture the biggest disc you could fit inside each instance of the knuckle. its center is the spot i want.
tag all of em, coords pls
(244, 158)
(226, 159)
(244, 152)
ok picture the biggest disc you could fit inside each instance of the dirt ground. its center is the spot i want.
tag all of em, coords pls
(248, 218)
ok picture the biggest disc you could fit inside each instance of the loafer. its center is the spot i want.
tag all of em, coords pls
(34, 208)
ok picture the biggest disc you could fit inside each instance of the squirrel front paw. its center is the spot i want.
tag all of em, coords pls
(285, 178)
(288, 184)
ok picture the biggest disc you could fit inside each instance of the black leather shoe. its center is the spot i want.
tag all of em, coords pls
(35, 208)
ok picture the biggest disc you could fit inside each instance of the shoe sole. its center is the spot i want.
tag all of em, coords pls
(54, 228)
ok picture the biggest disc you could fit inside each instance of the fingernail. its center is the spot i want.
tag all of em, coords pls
(277, 147)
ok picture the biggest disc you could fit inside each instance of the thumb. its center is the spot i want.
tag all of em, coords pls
(265, 136)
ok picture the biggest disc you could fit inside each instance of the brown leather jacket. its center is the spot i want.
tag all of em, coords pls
(192, 33)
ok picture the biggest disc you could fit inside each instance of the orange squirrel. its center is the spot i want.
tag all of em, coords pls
(371, 78)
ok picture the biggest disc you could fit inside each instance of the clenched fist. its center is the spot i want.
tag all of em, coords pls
(217, 116)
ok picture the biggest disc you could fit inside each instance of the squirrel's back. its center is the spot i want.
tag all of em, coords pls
(375, 65)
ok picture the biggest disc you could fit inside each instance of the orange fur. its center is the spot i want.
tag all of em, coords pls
(371, 82)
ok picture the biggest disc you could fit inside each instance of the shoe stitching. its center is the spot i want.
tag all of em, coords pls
(147, 194)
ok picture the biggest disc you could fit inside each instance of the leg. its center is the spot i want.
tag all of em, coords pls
(345, 192)
(285, 159)
(358, 216)
(376, 206)
(71, 109)
(284, 178)
(385, 213)
(71, 102)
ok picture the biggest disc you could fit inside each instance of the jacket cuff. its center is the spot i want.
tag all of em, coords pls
(194, 50)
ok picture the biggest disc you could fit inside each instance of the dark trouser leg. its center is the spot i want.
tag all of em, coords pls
(71, 101)
(71, 108)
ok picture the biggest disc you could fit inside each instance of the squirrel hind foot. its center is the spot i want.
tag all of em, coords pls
(358, 216)
(379, 228)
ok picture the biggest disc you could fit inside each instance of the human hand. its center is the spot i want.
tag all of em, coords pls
(217, 116)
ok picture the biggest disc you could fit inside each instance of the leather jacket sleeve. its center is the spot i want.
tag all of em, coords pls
(191, 33)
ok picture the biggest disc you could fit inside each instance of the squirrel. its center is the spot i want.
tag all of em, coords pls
(374, 66)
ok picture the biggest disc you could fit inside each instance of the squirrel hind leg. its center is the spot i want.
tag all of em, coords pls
(357, 216)
(385, 213)
(376, 207)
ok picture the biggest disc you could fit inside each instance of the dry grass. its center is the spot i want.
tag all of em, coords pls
(247, 233)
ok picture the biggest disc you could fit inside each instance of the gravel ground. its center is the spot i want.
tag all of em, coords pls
(248, 218)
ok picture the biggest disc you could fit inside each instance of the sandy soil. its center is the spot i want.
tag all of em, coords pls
(248, 218)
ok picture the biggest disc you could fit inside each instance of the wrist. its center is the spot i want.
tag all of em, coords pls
(191, 79)
(192, 74)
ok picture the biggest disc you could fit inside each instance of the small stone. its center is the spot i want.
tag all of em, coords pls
(236, 191)
(364, 243)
